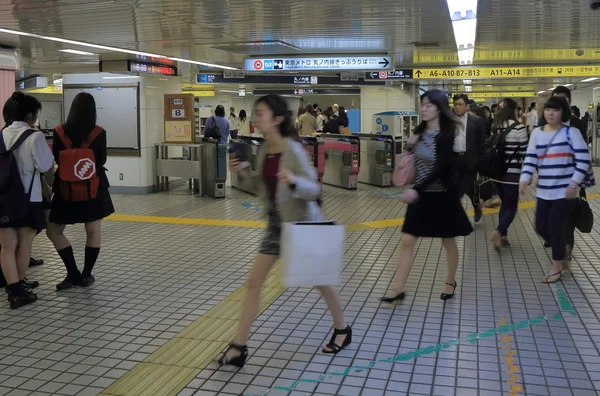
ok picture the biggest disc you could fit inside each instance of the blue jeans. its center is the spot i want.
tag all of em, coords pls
(509, 194)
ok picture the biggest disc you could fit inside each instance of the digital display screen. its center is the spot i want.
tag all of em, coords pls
(149, 68)
(151, 59)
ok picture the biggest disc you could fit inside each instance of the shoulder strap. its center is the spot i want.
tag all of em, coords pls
(91, 137)
(18, 143)
(60, 132)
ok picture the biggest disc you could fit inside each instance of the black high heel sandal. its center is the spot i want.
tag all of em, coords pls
(445, 296)
(238, 361)
(335, 348)
(398, 297)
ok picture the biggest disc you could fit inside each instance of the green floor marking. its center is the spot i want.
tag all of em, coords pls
(470, 338)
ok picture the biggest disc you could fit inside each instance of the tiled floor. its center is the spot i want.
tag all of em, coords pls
(154, 280)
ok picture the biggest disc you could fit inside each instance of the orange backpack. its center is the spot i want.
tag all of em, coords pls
(77, 177)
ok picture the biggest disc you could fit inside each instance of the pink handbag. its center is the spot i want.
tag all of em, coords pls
(404, 173)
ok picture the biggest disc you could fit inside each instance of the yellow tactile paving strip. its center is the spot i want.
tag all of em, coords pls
(171, 367)
(260, 224)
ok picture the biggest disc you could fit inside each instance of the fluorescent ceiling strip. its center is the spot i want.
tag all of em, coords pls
(541, 92)
(76, 52)
(463, 14)
(114, 49)
(465, 57)
(462, 7)
(465, 32)
(590, 79)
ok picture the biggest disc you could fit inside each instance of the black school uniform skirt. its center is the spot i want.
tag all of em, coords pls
(35, 218)
(66, 212)
(437, 215)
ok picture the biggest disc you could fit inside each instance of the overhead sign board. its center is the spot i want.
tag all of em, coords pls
(506, 72)
(318, 63)
(208, 78)
(330, 91)
(390, 75)
(233, 74)
(486, 95)
(306, 80)
(349, 76)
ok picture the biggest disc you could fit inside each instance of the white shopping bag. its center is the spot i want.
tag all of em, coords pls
(311, 253)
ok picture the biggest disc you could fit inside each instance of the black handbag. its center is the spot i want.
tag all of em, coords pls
(584, 217)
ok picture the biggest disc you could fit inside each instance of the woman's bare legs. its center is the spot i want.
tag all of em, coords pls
(405, 262)
(56, 234)
(452, 260)
(9, 240)
(262, 265)
(332, 299)
(23, 254)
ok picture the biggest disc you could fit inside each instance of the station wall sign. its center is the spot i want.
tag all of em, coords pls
(318, 63)
(390, 75)
(506, 72)
(259, 92)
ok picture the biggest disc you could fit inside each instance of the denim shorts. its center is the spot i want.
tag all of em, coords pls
(271, 243)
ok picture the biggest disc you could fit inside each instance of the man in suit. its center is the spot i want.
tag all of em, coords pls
(470, 137)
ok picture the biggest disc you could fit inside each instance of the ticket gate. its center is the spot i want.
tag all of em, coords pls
(342, 160)
(315, 148)
(215, 165)
(377, 157)
(250, 148)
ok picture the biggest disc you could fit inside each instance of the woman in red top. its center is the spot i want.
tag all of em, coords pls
(290, 192)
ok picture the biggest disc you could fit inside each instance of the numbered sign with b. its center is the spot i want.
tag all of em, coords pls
(179, 119)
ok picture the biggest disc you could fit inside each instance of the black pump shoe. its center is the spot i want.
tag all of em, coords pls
(398, 297)
(335, 348)
(445, 296)
(238, 361)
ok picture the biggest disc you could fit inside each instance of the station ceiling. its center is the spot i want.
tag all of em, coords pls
(415, 32)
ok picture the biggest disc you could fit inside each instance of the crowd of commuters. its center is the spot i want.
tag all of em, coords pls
(311, 120)
(447, 147)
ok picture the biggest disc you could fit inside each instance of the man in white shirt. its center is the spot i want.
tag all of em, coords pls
(469, 141)
(532, 117)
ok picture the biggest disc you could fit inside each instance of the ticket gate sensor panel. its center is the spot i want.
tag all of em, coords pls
(377, 154)
(215, 160)
(315, 148)
(342, 161)
(250, 149)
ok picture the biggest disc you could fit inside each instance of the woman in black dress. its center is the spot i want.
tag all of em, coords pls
(434, 207)
(80, 125)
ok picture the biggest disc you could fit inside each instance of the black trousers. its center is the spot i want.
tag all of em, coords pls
(466, 178)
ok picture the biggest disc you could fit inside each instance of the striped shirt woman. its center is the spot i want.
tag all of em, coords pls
(515, 147)
(562, 160)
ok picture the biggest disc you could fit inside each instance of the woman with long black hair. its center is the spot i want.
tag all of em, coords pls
(79, 131)
(434, 207)
(289, 191)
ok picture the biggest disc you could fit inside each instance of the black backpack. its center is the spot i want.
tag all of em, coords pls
(492, 162)
(14, 199)
(213, 132)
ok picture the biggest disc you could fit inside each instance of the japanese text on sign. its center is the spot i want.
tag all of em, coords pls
(508, 72)
(333, 63)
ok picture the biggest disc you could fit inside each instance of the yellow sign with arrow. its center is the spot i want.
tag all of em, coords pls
(506, 72)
